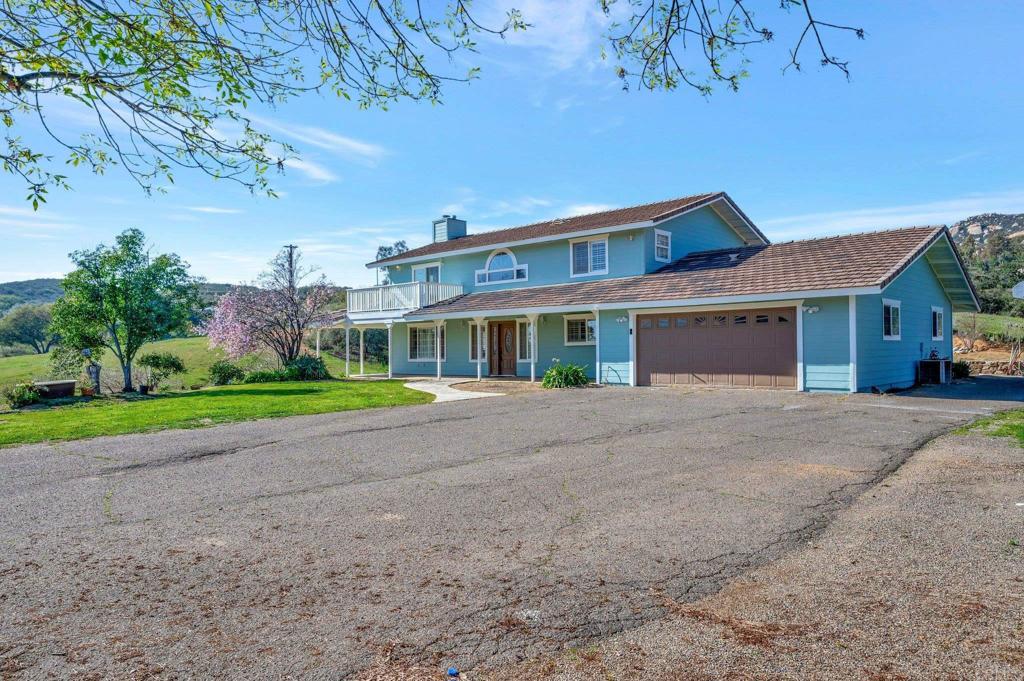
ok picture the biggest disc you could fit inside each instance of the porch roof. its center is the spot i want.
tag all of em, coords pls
(856, 263)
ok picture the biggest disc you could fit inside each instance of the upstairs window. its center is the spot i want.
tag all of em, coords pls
(588, 256)
(662, 246)
(429, 272)
(890, 319)
(501, 267)
(938, 323)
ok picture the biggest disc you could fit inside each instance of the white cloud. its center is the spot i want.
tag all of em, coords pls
(960, 158)
(946, 211)
(321, 138)
(585, 208)
(565, 32)
(314, 171)
(23, 222)
(215, 210)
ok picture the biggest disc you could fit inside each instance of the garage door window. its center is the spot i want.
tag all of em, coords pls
(761, 319)
(782, 319)
(739, 320)
(681, 322)
(700, 321)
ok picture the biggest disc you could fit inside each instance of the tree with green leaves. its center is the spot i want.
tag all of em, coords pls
(169, 84)
(383, 251)
(28, 325)
(121, 297)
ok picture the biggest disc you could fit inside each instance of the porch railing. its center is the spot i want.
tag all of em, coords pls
(393, 297)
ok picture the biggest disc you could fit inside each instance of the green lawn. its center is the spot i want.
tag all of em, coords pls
(194, 352)
(196, 409)
(1005, 424)
(989, 325)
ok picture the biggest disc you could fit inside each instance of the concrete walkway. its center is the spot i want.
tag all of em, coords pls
(445, 391)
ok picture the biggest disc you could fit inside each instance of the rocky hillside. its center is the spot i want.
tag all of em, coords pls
(980, 226)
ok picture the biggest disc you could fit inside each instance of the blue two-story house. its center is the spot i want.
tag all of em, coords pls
(685, 291)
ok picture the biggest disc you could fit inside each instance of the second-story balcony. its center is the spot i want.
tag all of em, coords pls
(394, 300)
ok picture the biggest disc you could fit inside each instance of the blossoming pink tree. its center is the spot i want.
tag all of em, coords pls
(273, 313)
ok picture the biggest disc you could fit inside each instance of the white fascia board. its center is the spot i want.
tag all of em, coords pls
(959, 266)
(652, 305)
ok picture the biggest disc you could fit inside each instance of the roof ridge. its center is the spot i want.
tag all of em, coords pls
(691, 197)
(863, 233)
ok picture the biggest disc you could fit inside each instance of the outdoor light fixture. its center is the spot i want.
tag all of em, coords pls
(812, 309)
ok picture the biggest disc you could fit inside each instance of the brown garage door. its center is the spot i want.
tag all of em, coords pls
(740, 348)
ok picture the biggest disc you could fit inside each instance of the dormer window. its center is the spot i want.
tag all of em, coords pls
(501, 267)
(662, 246)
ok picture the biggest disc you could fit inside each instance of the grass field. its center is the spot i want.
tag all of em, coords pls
(1006, 424)
(990, 325)
(200, 408)
(194, 352)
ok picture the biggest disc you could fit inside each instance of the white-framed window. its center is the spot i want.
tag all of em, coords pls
(662, 245)
(501, 267)
(525, 340)
(890, 319)
(473, 344)
(423, 345)
(938, 322)
(588, 256)
(430, 271)
(580, 329)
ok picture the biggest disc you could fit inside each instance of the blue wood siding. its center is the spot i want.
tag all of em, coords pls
(826, 336)
(629, 253)
(550, 346)
(614, 347)
(701, 230)
(887, 364)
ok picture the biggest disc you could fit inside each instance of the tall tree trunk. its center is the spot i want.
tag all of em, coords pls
(126, 368)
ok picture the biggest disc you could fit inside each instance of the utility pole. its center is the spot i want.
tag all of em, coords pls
(291, 267)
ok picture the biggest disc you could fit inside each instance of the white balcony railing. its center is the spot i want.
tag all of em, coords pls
(397, 297)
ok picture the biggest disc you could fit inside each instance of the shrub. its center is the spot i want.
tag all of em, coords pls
(564, 376)
(223, 372)
(20, 395)
(160, 365)
(306, 368)
(961, 370)
(67, 363)
(264, 376)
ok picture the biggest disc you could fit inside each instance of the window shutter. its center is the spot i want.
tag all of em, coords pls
(598, 256)
(580, 259)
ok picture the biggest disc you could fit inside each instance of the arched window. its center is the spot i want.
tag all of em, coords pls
(501, 267)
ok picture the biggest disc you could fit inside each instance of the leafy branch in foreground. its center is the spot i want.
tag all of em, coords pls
(701, 43)
(163, 84)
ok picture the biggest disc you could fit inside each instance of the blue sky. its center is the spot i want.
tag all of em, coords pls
(928, 130)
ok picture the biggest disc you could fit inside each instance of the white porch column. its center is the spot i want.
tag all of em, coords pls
(532, 319)
(390, 374)
(437, 346)
(479, 321)
(597, 345)
(361, 369)
(348, 354)
(318, 342)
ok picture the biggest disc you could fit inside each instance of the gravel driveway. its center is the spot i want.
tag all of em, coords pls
(469, 532)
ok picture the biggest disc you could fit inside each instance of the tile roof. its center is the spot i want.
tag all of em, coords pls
(659, 210)
(851, 261)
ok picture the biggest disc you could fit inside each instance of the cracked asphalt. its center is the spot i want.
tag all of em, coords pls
(476, 532)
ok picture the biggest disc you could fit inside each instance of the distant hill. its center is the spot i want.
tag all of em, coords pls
(48, 290)
(981, 226)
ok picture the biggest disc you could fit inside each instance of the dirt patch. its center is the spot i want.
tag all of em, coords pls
(506, 387)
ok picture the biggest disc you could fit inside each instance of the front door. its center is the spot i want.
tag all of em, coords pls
(503, 348)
